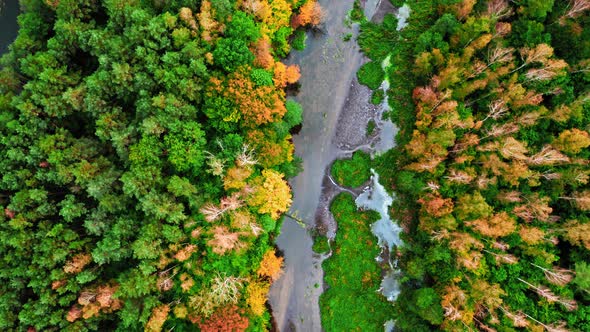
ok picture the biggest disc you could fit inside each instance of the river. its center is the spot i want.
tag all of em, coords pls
(8, 27)
(328, 66)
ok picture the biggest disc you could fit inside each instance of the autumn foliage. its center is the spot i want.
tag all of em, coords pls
(257, 296)
(93, 302)
(270, 266)
(494, 161)
(225, 319)
(157, 319)
(310, 13)
(272, 194)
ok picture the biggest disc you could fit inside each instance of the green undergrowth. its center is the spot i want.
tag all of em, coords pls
(357, 14)
(371, 74)
(370, 127)
(352, 172)
(321, 244)
(299, 40)
(377, 97)
(352, 303)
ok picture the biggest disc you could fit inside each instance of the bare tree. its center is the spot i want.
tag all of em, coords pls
(499, 9)
(246, 157)
(557, 276)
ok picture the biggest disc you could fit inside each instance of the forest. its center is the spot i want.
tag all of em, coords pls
(491, 172)
(146, 146)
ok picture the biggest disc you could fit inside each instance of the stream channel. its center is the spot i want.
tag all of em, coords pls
(8, 27)
(336, 112)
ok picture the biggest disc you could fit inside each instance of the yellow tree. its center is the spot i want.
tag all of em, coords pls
(272, 194)
(577, 233)
(157, 319)
(271, 150)
(270, 266)
(257, 296)
(235, 178)
(572, 141)
(280, 16)
(498, 225)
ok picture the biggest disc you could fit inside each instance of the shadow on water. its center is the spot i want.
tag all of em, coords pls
(9, 10)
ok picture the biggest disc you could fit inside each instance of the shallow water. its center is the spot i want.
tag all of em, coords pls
(376, 198)
(8, 26)
(402, 16)
(386, 128)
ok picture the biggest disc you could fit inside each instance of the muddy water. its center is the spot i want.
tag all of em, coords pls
(328, 65)
(8, 28)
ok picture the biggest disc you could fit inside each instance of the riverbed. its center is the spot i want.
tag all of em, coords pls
(328, 68)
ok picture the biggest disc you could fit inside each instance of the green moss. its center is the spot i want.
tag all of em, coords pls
(377, 97)
(299, 40)
(371, 74)
(321, 245)
(357, 14)
(352, 172)
(370, 127)
(352, 303)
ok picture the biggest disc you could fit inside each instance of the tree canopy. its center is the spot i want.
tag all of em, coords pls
(135, 169)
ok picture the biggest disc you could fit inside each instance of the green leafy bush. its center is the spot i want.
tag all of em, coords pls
(371, 74)
(299, 40)
(352, 172)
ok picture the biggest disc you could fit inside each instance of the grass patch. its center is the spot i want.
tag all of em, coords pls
(357, 14)
(371, 74)
(370, 127)
(352, 172)
(299, 40)
(351, 303)
(377, 97)
(321, 244)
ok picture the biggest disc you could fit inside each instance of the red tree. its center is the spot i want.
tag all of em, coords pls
(226, 319)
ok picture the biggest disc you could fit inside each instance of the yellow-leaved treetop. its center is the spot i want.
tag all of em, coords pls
(572, 141)
(257, 296)
(272, 194)
(157, 319)
(270, 266)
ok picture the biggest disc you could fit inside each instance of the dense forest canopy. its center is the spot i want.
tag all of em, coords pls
(493, 101)
(145, 147)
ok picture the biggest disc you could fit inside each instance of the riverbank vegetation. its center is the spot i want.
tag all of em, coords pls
(145, 146)
(491, 169)
(352, 172)
(352, 301)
